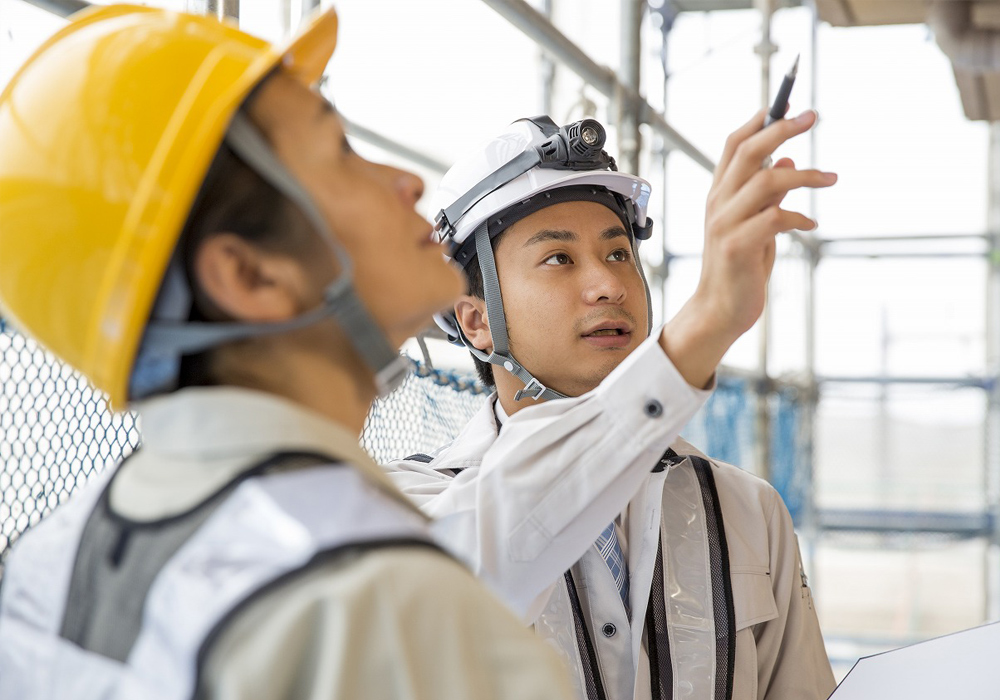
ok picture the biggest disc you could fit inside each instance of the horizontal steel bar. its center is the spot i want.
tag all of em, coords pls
(976, 524)
(385, 143)
(721, 5)
(62, 8)
(977, 382)
(902, 255)
(832, 240)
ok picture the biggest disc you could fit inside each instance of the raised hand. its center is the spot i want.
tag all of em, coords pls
(742, 217)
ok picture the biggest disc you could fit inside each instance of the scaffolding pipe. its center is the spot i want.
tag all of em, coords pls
(906, 255)
(223, 9)
(386, 144)
(540, 30)
(813, 254)
(548, 67)
(662, 273)
(762, 421)
(626, 102)
(835, 240)
(878, 380)
(991, 448)
(61, 8)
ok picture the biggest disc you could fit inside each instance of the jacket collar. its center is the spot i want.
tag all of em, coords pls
(197, 439)
(469, 448)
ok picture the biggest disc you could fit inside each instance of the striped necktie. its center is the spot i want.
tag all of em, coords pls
(611, 551)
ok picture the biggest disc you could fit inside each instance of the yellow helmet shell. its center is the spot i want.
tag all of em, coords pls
(106, 134)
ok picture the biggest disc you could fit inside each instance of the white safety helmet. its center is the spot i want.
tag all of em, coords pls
(533, 165)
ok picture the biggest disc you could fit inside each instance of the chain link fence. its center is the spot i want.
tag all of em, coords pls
(55, 433)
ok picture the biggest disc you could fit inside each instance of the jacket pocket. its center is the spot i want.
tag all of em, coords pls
(753, 599)
(753, 603)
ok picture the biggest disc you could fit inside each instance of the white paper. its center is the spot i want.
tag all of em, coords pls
(960, 666)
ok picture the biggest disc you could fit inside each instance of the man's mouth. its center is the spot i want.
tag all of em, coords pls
(605, 331)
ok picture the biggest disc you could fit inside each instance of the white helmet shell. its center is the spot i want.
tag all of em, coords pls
(519, 137)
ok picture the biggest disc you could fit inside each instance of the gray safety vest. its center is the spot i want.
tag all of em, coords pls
(95, 606)
(690, 628)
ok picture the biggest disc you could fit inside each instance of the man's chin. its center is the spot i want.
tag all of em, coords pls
(589, 381)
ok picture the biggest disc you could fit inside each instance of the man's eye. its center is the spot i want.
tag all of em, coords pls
(620, 255)
(557, 259)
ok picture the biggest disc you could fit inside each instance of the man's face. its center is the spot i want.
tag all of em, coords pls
(573, 296)
(399, 271)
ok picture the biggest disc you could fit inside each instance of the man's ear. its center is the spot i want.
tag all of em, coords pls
(248, 283)
(471, 314)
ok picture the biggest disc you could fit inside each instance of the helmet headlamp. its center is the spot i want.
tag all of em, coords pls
(577, 146)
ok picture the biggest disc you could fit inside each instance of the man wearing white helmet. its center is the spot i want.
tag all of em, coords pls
(657, 572)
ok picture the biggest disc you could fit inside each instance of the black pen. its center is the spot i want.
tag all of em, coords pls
(780, 105)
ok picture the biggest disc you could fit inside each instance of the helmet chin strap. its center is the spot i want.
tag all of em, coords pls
(340, 302)
(501, 355)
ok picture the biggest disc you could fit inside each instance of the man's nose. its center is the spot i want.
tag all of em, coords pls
(603, 286)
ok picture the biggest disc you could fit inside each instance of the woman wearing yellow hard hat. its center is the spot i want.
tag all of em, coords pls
(182, 220)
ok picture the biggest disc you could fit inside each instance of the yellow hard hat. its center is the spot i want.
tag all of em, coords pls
(106, 134)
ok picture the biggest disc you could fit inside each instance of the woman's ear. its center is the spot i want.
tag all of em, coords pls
(247, 283)
(471, 314)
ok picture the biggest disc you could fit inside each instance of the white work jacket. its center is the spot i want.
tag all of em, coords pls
(524, 506)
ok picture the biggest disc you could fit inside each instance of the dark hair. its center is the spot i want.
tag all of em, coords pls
(234, 199)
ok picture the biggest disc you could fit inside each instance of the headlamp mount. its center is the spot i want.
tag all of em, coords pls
(576, 146)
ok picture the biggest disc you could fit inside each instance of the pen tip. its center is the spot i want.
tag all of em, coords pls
(795, 66)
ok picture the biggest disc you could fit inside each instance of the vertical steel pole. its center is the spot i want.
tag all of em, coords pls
(230, 9)
(991, 478)
(762, 432)
(664, 272)
(809, 525)
(628, 116)
(547, 68)
(223, 9)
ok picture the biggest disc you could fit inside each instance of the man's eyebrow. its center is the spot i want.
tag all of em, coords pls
(613, 232)
(550, 235)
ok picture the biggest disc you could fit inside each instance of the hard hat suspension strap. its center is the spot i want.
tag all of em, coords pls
(501, 354)
(341, 301)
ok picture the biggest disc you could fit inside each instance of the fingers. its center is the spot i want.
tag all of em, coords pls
(735, 139)
(768, 188)
(751, 151)
(773, 220)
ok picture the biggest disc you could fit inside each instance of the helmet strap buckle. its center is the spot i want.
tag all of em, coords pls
(532, 390)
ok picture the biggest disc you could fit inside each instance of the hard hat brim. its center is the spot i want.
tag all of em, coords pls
(308, 53)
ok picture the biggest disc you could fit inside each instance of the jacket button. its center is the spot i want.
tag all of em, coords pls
(609, 630)
(653, 408)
